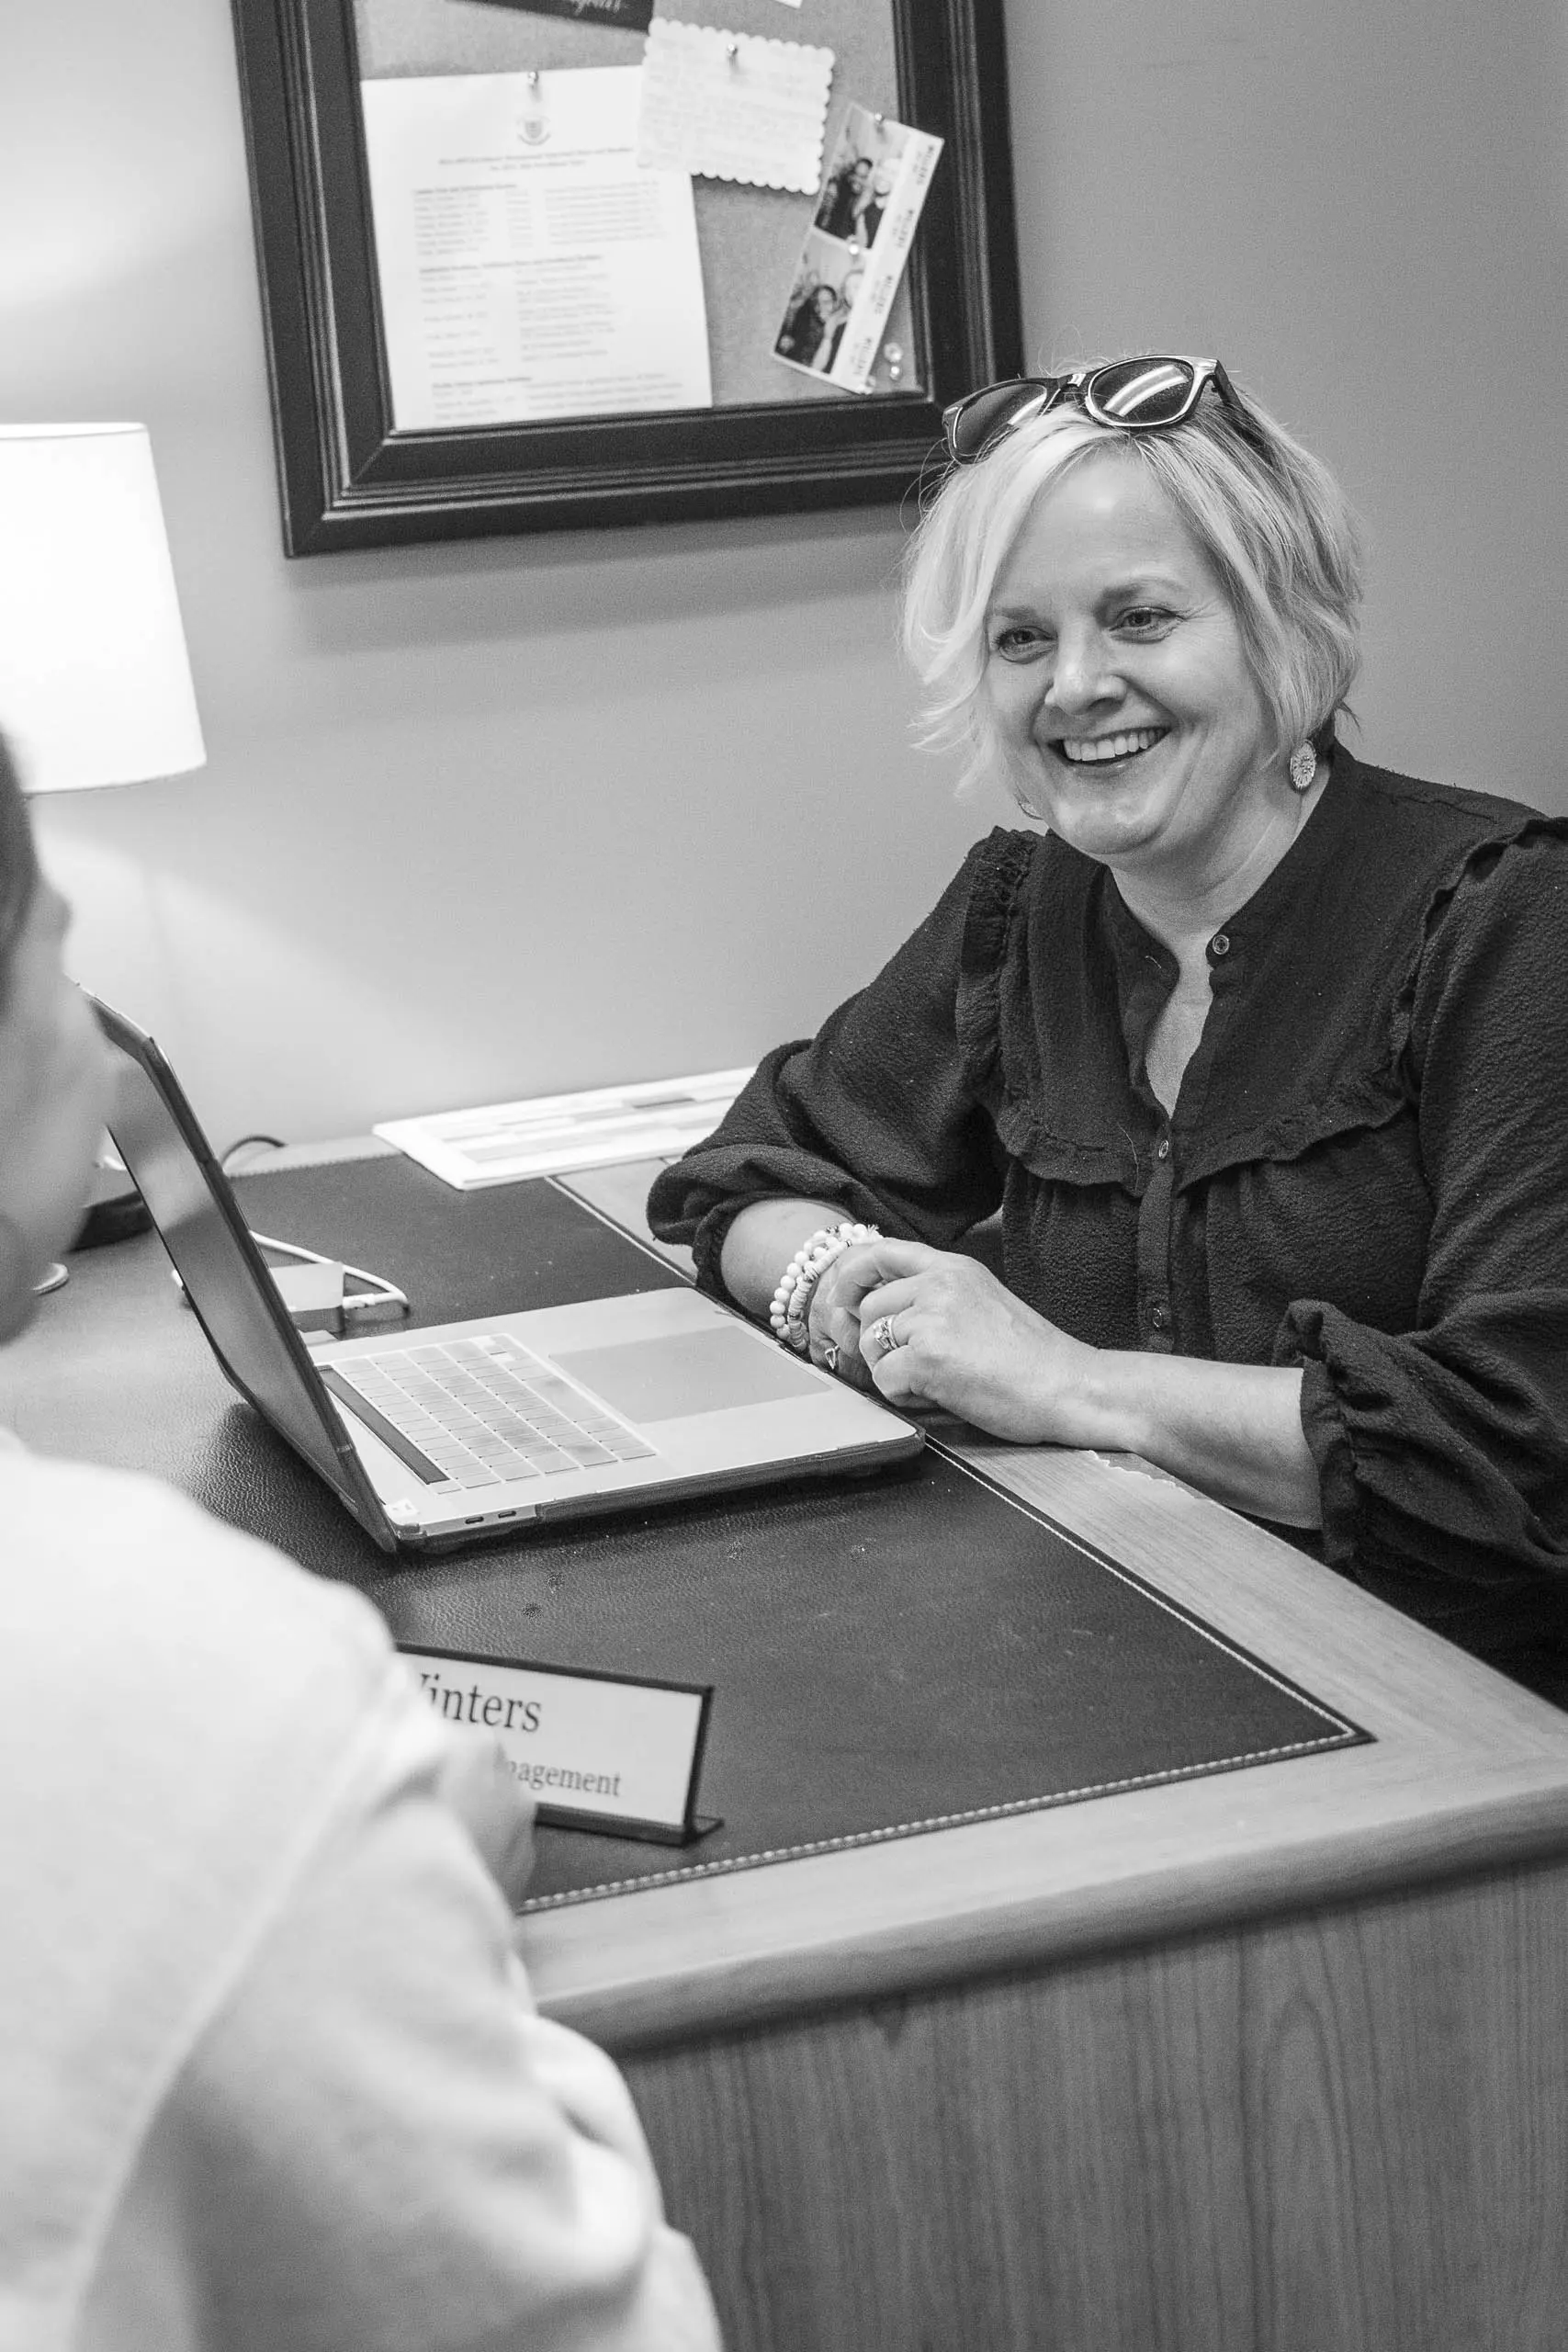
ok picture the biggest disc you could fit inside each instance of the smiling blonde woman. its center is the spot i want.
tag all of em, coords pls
(1256, 1049)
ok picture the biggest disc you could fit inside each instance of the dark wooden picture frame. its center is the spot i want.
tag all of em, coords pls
(349, 479)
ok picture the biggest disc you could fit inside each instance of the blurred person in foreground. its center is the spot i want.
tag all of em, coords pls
(271, 2074)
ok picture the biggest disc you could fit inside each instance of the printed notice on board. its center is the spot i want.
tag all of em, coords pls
(529, 267)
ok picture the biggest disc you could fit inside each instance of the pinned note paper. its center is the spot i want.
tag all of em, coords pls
(733, 106)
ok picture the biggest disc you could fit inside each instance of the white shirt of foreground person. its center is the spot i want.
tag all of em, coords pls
(270, 2074)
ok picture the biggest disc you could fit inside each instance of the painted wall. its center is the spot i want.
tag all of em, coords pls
(504, 817)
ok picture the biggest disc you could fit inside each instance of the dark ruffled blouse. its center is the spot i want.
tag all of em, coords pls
(1366, 1172)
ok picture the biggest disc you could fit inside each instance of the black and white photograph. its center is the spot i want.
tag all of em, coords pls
(820, 303)
(860, 176)
(783, 1177)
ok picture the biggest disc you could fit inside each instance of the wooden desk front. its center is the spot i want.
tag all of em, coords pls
(1277, 2058)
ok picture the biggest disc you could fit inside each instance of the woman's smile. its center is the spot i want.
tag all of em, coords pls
(1098, 751)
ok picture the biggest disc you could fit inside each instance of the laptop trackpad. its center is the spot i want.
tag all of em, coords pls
(690, 1371)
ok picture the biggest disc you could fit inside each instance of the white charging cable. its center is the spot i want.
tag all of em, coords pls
(380, 1292)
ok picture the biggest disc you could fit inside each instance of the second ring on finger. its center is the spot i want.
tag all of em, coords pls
(882, 1335)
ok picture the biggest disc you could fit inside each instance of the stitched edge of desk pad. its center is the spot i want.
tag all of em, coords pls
(1342, 1734)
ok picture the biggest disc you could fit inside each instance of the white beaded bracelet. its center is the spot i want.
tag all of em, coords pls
(792, 1300)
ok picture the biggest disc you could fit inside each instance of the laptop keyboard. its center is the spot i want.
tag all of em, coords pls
(487, 1410)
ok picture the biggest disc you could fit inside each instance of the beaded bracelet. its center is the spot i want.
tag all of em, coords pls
(792, 1300)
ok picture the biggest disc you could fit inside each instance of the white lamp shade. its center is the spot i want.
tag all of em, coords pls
(95, 683)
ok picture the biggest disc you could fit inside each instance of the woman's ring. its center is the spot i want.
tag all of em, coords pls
(883, 1335)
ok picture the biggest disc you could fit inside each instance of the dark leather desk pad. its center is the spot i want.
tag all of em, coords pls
(888, 1655)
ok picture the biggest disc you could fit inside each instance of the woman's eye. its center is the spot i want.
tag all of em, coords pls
(1144, 620)
(1018, 642)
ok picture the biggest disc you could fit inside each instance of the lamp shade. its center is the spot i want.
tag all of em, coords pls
(95, 683)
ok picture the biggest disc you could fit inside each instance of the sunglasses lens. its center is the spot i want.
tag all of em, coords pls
(977, 421)
(1143, 391)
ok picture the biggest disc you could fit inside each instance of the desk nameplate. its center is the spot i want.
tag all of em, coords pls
(620, 1753)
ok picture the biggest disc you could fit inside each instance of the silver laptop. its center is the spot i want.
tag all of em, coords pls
(443, 1435)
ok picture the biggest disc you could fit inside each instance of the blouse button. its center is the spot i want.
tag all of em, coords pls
(1221, 944)
(1159, 1316)
(1162, 1148)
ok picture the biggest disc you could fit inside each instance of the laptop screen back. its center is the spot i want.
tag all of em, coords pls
(226, 1280)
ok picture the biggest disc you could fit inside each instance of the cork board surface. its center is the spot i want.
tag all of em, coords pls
(750, 237)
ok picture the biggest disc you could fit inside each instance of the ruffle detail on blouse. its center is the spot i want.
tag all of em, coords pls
(1002, 863)
(1380, 1084)
(1368, 1099)
(1059, 1160)
(995, 974)
(1477, 863)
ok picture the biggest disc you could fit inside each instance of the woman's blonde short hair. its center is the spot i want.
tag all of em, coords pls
(1270, 518)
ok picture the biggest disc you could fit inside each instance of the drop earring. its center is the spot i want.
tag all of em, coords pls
(1304, 767)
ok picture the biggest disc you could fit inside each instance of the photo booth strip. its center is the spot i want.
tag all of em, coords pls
(868, 208)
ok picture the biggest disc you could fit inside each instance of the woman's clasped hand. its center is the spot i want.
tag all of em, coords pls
(931, 1327)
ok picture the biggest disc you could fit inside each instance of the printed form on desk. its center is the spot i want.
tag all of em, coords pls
(549, 1133)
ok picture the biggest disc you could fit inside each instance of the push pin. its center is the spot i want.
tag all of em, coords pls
(534, 124)
(732, 50)
(893, 354)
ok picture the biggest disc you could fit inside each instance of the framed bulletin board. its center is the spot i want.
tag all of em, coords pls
(363, 463)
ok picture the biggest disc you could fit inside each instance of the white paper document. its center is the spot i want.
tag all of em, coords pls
(529, 266)
(733, 106)
(506, 1141)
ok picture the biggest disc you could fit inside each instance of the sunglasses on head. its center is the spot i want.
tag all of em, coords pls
(1144, 395)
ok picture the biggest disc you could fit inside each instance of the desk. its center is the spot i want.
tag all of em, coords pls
(1278, 2058)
